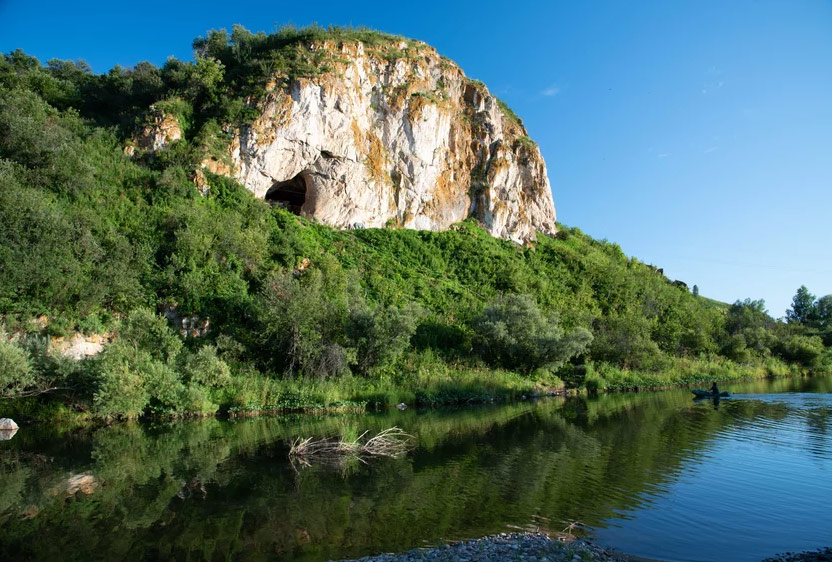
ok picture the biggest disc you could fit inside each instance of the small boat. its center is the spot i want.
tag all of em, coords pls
(708, 394)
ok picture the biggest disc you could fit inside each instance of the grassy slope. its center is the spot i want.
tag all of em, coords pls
(104, 234)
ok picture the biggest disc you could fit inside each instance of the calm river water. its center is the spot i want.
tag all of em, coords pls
(654, 474)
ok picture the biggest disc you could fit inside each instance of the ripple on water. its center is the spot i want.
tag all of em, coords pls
(762, 485)
(653, 473)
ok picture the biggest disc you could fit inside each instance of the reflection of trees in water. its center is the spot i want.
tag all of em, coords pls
(225, 489)
(817, 431)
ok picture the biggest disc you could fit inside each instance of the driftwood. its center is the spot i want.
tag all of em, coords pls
(392, 442)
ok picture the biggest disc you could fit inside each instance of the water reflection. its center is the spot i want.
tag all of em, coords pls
(628, 466)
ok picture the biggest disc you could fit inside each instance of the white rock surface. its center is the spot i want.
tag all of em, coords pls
(396, 140)
(7, 424)
(79, 346)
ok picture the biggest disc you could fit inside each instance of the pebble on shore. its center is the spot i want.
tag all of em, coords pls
(529, 547)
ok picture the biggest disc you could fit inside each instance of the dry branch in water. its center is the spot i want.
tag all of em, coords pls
(392, 442)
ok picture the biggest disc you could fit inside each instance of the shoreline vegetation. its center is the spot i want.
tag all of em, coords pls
(206, 300)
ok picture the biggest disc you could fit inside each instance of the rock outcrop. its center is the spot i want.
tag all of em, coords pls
(79, 346)
(162, 128)
(386, 135)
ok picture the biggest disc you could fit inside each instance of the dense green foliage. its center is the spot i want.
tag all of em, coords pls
(301, 315)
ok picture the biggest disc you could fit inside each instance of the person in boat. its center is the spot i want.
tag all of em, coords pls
(714, 389)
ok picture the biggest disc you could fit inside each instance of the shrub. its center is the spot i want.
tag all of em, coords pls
(167, 394)
(806, 350)
(16, 373)
(195, 400)
(513, 333)
(149, 332)
(205, 368)
(380, 336)
(119, 373)
(625, 341)
(594, 382)
(303, 321)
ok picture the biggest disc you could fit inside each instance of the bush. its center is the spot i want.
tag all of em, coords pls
(380, 336)
(625, 341)
(195, 400)
(167, 393)
(513, 333)
(806, 350)
(148, 332)
(303, 321)
(594, 382)
(546, 376)
(16, 373)
(205, 368)
(119, 373)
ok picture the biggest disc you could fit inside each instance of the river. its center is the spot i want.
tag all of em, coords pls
(655, 474)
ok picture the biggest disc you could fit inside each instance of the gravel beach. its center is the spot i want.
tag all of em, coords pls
(822, 555)
(529, 547)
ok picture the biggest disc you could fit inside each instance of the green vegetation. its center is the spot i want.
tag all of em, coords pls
(301, 316)
(509, 113)
(525, 142)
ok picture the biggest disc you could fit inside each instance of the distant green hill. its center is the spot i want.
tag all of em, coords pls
(295, 315)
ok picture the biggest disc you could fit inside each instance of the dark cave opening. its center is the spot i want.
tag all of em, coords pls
(290, 194)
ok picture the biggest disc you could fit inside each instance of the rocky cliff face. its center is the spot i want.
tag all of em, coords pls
(392, 136)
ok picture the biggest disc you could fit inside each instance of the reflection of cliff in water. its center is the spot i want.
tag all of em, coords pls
(167, 487)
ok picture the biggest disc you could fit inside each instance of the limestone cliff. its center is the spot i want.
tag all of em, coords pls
(391, 135)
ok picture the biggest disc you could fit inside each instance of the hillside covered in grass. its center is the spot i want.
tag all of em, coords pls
(213, 300)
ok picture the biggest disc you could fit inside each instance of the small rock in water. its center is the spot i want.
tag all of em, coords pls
(401, 406)
(7, 424)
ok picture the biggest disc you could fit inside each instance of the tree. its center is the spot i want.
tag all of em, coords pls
(823, 312)
(803, 307)
(749, 329)
(514, 333)
(625, 341)
(380, 336)
(303, 317)
(696, 290)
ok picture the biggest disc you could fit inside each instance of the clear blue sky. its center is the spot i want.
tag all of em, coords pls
(697, 135)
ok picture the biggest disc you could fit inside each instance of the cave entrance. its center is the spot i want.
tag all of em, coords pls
(290, 194)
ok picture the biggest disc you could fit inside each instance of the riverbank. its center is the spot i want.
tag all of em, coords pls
(438, 385)
(530, 547)
(537, 547)
(608, 461)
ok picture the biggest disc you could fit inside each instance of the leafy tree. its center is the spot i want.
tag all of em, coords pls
(802, 310)
(380, 336)
(303, 319)
(513, 332)
(823, 312)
